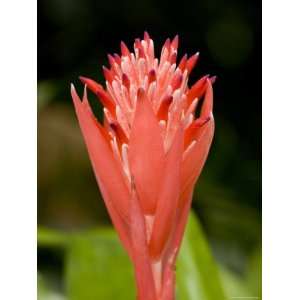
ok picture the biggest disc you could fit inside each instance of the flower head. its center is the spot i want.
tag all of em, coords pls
(149, 152)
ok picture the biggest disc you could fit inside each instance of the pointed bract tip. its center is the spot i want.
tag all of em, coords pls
(107, 74)
(168, 99)
(85, 92)
(140, 93)
(117, 58)
(192, 61)
(213, 79)
(182, 63)
(201, 121)
(152, 72)
(195, 56)
(110, 58)
(146, 36)
(167, 43)
(124, 50)
(125, 80)
(105, 69)
(75, 98)
(83, 79)
(124, 77)
(177, 80)
(141, 53)
(151, 76)
(141, 90)
(175, 42)
(137, 44)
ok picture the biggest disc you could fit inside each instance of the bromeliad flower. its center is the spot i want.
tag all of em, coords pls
(148, 153)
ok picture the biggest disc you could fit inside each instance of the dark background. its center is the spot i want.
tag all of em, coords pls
(74, 38)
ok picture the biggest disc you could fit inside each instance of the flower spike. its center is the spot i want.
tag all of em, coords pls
(149, 153)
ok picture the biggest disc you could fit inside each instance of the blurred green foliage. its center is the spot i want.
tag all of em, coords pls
(95, 266)
(98, 268)
(198, 276)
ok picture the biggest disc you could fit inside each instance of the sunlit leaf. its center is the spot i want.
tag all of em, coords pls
(45, 291)
(98, 268)
(197, 272)
(51, 238)
(254, 273)
(235, 287)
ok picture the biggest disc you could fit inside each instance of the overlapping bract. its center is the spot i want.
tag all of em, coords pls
(148, 153)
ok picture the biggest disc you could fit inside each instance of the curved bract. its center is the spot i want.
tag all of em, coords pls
(148, 153)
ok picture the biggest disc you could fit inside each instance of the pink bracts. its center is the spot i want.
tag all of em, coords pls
(148, 153)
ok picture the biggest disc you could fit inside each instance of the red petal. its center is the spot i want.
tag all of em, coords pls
(205, 115)
(185, 202)
(173, 58)
(195, 159)
(207, 105)
(141, 261)
(194, 130)
(124, 49)
(122, 138)
(151, 76)
(91, 84)
(138, 45)
(175, 242)
(100, 92)
(117, 59)
(191, 132)
(146, 153)
(168, 288)
(125, 81)
(146, 36)
(213, 79)
(175, 42)
(108, 74)
(182, 63)
(192, 62)
(197, 90)
(111, 60)
(107, 170)
(166, 44)
(162, 113)
(177, 80)
(168, 197)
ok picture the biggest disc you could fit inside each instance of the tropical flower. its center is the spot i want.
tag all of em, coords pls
(148, 153)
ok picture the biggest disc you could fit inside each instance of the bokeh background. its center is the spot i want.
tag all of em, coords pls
(77, 250)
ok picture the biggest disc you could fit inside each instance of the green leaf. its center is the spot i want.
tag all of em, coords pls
(254, 273)
(197, 273)
(51, 238)
(45, 291)
(234, 285)
(97, 267)
(46, 91)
